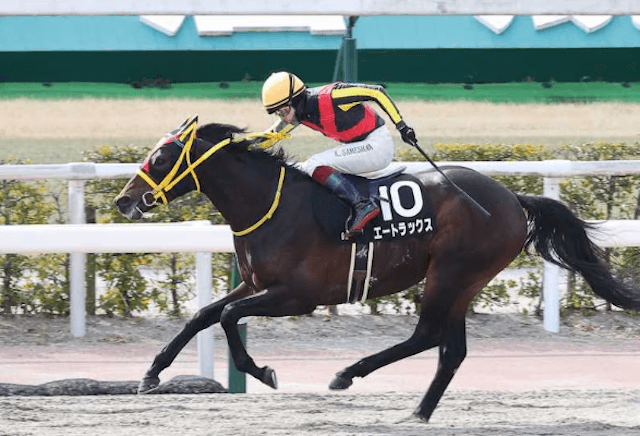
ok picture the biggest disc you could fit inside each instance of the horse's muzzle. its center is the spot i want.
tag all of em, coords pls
(128, 207)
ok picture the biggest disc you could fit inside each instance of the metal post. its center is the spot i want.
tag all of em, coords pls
(551, 272)
(90, 274)
(350, 62)
(350, 53)
(237, 379)
(338, 64)
(77, 263)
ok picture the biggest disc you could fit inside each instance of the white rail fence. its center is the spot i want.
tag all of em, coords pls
(79, 238)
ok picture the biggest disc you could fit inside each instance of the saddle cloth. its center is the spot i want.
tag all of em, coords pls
(406, 209)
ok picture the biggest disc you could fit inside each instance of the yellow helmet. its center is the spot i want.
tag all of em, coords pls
(279, 89)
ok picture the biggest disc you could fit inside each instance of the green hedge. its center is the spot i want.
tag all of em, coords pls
(40, 284)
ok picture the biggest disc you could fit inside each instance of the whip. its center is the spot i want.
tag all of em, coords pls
(466, 196)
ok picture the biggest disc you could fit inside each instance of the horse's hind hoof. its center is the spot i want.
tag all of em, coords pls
(340, 383)
(148, 385)
(269, 377)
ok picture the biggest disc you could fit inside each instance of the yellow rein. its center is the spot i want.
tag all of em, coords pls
(171, 180)
(272, 209)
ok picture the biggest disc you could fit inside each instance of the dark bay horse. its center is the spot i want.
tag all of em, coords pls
(289, 265)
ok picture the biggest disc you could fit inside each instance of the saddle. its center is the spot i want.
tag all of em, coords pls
(406, 212)
(406, 209)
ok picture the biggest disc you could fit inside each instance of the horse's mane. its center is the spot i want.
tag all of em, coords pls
(215, 132)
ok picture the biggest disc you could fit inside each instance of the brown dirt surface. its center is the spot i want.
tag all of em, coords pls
(113, 118)
(517, 379)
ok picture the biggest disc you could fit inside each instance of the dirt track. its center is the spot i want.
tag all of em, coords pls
(59, 131)
(517, 380)
(108, 118)
(575, 413)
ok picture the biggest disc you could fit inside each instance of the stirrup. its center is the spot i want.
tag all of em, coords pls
(358, 227)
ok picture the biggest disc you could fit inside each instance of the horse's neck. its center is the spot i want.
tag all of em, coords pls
(243, 192)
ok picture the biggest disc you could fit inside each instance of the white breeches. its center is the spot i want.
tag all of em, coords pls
(370, 155)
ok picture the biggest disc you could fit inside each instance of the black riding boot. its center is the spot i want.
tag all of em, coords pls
(364, 209)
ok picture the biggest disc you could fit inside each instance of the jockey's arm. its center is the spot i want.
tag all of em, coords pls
(274, 134)
(346, 93)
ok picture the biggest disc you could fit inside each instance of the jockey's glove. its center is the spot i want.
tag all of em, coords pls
(407, 133)
(266, 139)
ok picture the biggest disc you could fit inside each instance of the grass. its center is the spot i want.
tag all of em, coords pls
(73, 90)
(516, 92)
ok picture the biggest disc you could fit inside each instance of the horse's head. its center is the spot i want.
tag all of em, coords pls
(165, 174)
(169, 170)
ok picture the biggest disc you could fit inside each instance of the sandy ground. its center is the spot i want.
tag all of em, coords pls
(60, 131)
(148, 118)
(575, 413)
(517, 379)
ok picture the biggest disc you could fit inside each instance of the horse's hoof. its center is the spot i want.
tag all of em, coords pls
(269, 377)
(148, 385)
(340, 383)
(413, 419)
(420, 417)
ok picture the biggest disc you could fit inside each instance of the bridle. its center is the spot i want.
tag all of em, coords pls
(160, 190)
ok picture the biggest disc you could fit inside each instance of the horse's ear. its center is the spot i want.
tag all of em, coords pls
(186, 122)
(187, 130)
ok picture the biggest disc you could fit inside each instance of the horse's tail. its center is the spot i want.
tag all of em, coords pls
(560, 237)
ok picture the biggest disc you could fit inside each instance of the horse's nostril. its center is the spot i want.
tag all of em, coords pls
(122, 201)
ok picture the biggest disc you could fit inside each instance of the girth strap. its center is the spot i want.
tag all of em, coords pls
(359, 272)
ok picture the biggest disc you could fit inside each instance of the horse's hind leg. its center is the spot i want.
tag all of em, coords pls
(425, 336)
(432, 329)
(274, 302)
(205, 317)
(442, 322)
(437, 300)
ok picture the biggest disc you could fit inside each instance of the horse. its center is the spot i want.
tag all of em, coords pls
(290, 264)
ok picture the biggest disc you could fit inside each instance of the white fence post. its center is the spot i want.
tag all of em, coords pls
(77, 263)
(205, 337)
(204, 289)
(551, 272)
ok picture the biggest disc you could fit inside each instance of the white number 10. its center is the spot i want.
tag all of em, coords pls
(394, 190)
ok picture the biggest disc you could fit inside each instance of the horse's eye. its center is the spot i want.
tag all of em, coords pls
(159, 161)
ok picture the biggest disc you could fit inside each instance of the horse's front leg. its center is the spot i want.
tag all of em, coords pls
(273, 302)
(205, 317)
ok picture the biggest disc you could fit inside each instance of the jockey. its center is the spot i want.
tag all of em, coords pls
(339, 111)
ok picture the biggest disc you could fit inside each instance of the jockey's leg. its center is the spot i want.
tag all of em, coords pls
(364, 209)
